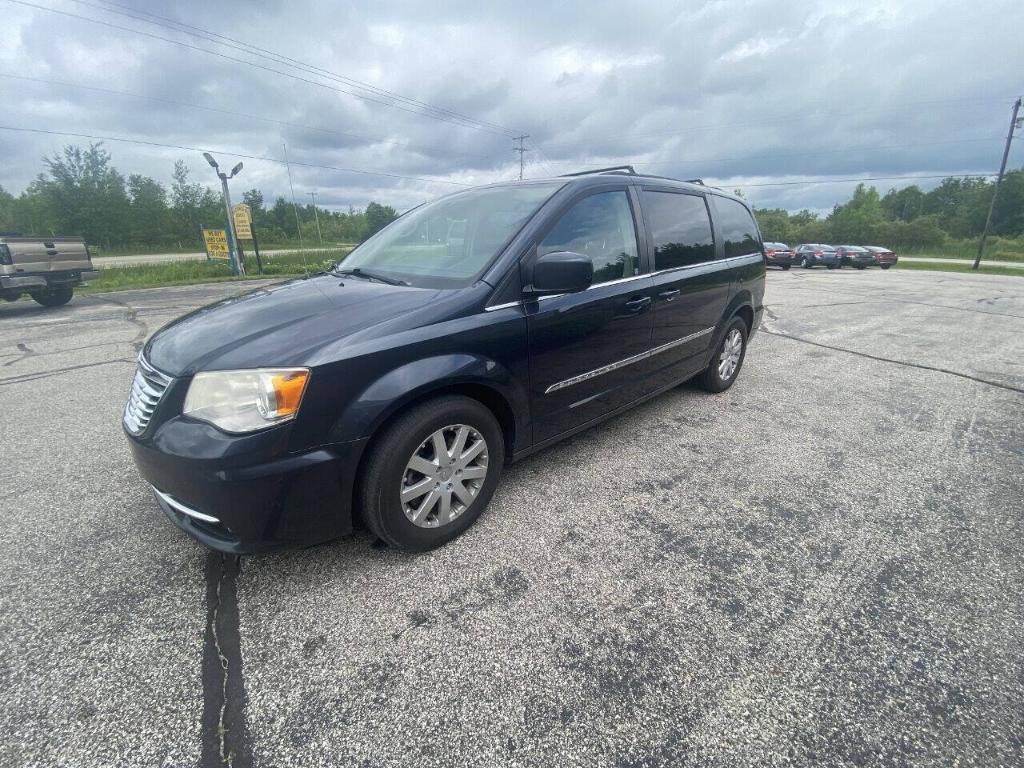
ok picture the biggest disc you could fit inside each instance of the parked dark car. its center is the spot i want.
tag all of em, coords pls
(854, 256)
(883, 256)
(394, 388)
(779, 255)
(812, 254)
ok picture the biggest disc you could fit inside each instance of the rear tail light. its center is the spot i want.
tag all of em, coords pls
(769, 253)
(817, 253)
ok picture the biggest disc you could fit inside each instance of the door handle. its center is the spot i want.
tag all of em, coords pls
(669, 295)
(637, 303)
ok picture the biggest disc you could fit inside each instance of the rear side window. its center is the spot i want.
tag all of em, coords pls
(601, 227)
(739, 232)
(680, 229)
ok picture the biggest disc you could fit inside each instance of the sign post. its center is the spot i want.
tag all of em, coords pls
(216, 244)
(244, 230)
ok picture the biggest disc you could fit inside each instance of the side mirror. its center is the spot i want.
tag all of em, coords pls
(562, 272)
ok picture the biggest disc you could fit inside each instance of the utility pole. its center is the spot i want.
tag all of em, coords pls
(317, 217)
(237, 265)
(295, 207)
(999, 180)
(520, 149)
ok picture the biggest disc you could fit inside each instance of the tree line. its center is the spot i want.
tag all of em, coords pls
(908, 217)
(81, 193)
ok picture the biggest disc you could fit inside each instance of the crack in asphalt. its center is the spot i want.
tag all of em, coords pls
(26, 377)
(225, 739)
(904, 363)
(131, 315)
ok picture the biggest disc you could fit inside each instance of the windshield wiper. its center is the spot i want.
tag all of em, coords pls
(360, 272)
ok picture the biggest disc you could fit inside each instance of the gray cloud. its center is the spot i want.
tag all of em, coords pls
(744, 93)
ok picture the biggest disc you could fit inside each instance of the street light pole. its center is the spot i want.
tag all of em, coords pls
(317, 217)
(238, 266)
(999, 181)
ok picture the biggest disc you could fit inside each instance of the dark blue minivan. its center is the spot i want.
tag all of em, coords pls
(469, 333)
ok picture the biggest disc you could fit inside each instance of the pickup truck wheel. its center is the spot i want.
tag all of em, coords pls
(432, 472)
(727, 359)
(53, 297)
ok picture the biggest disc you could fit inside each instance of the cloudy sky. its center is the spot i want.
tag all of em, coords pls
(753, 95)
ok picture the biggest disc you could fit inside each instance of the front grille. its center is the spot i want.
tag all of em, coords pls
(148, 387)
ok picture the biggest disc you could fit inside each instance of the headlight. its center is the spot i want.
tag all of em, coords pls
(244, 401)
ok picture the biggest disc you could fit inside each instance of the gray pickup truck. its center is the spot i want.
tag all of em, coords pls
(47, 269)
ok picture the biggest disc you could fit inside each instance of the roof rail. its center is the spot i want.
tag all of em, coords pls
(612, 169)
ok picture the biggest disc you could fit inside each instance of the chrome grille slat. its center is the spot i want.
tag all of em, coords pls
(148, 387)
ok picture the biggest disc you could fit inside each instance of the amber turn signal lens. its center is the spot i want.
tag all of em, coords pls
(288, 391)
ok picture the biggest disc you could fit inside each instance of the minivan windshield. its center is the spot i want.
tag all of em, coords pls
(448, 242)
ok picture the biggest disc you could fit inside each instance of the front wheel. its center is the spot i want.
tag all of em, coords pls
(432, 472)
(53, 297)
(727, 359)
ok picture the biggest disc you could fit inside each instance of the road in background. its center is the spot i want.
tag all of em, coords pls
(820, 566)
(170, 258)
(985, 263)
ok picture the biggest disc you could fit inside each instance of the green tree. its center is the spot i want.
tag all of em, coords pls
(148, 211)
(254, 199)
(377, 217)
(87, 197)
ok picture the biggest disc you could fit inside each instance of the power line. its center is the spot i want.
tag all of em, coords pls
(229, 153)
(808, 182)
(218, 110)
(707, 160)
(229, 42)
(789, 119)
(252, 64)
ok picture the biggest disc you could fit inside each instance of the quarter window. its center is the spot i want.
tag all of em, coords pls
(739, 232)
(680, 229)
(599, 226)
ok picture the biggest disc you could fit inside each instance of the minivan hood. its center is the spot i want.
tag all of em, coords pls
(281, 325)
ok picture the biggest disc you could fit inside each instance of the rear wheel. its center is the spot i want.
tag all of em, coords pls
(805, 263)
(727, 359)
(785, 267)
(53, 297)
(432, 472)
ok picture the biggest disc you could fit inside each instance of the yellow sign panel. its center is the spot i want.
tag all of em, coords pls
(216, 243)
(243, 221)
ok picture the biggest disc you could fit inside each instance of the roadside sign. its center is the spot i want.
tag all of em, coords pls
(243, 221)
(216, 244)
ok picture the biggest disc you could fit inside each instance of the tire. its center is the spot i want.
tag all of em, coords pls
(885, 266)
(53, 297)
(712, 378)
(409, 439)
(862, 266)
(785, 267)
(805, 263)
(832, 266)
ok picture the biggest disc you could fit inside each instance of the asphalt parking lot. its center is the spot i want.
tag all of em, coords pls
(821, 566)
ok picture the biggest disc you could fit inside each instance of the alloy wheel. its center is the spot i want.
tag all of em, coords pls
(444, 476)
(732, 349)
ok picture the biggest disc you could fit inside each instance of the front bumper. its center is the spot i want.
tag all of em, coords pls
(243, 508)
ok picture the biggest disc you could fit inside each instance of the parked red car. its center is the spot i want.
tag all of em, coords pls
(883, 256)
(779, 255)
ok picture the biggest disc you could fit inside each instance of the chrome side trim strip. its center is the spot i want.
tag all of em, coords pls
(176, 505)
(623, 363)
(731, 261)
